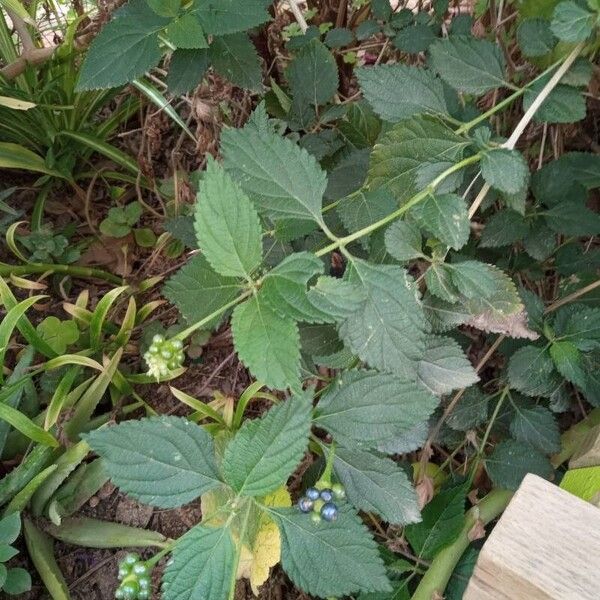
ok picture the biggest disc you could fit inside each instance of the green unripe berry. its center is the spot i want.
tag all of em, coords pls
(144, 583)
(119, 595)
(338, 491)
(143, 595)
(177, 344)
(123, 571)
(153, 349)
(130, 589)
(140, 568)
(166, 354)
(131, 558)
(318, 505)
(315, 517)
(158, 339)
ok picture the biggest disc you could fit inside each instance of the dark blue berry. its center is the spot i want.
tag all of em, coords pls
(312, 493)
(305, 504)
(329, 512)
(326, 495)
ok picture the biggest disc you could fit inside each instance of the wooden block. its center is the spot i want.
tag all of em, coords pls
(546, 546)
(588, 454)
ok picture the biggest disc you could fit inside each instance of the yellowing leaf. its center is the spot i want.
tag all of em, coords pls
(584, 483)
(267, 552)
(15, 103)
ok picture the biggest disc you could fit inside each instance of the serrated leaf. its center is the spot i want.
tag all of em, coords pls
(126, 48)
(415, 38)
(220, 17)
(284, 287)
(160, 461)
(234, 57)
(444, 366)
(268, 344)
(564, 104)
(336, 298)
(348, 175)
(283, 179)
(536, 426)
(468, 64)
(504, 169)
(201, 567)
(535, 37)
(165, 8)
(186, 32)
(512, 460)
(327, 559)
(399, 91)
(471, 410)
(568, 362)
(409, 441)
(186, 70)
(572, 218)
(403, 241)
(503, 229)
(197, 290)
(445, 217)
(367, 407)
(583, 328)
(410, 155)
(388, 331)
(444, 315)
(360, 126)
(376, 484)
(265, 451)
(227, 225)
(531, 371)
(312, 75)
(571, 22)
(442, 520)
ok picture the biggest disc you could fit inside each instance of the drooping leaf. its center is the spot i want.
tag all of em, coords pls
(327, 559)
(512, 460)
(234, 57)
(536, 426)
(444, 366)
(267, 343)
(504, 169)
(227, 225)
(161, 461)
(367, 407)
(265, 451)
(202, 565)
(468, 64)
(376, 484)
(399, 91)
(388, 331)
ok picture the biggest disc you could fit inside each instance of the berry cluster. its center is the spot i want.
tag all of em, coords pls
(163, 356)
(320, 502)
(134, 576)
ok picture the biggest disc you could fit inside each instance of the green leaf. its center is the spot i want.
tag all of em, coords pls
(284, 287)
(268, 344)
(504, 169)
(197, 290)
(564, 104)
(445, 367)
(165, 8)
(335, 298)
(15, 156)
(227, 225)
(10, 528)
(367, 407)
(535, 37)
(468, 64)
(403, 241)
(445, 216)
(126, 48)
(348, 175)
(59, 334)
(442, 521)
(265, 451)
(186, 32)
(571, 22)
(572, 218)
(503, 229)
(438, 278)
(583, 482)
(461, 575)
(18, 581)
(399, 91)
(376, 484)
(161, 461)
(568, 362)
(583, 328)
(405, 156)
(219, 17)
(536, 426)
(234, 57)
(329, 559)
(312, 75)
(6, 553)
(415, 38)
(512, 460)
(531, 371)
(360, 126)
(202, 565)
(186, 70)
(471, 411)
(338, 37)
(283, 180)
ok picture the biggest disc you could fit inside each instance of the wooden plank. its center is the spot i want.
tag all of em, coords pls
(588, 454)
(546, 546)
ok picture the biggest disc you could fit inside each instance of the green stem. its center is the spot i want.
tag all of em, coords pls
(436, 578)
(73, 270)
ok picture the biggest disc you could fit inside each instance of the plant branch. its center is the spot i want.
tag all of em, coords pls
(293, 4)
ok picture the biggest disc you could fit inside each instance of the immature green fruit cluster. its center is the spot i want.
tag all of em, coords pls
(163, 356)
(134, 576)
(319, 501)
